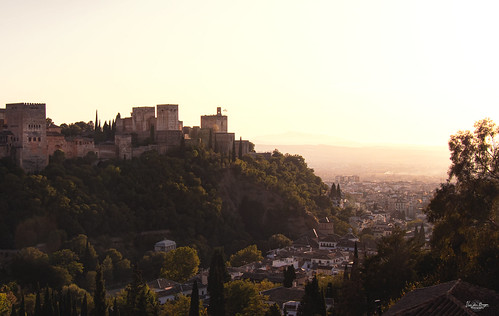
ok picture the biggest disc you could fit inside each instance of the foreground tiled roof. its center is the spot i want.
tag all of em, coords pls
(450, 298)
(280, 295)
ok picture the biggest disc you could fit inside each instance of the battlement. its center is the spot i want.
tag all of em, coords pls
(25, 105)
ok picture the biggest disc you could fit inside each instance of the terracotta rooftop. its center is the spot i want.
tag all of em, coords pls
(280, 295)
(450, 298)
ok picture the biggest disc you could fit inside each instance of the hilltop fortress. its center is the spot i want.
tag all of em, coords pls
(26, 138)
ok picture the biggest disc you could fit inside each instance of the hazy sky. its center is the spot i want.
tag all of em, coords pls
(368, 71)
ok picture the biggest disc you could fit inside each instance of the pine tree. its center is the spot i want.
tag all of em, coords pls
(216, 279)
(99, 294)
(194, 308)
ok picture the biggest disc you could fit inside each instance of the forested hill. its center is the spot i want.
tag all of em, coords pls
(200, 197)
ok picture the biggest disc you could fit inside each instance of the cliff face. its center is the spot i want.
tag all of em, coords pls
(262, 212)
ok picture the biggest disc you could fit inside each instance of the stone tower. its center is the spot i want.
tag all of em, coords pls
(27, 122)
(218, 123)
(167, 117)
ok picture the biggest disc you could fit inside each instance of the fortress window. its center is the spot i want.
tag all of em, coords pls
(29, 139)
(39, 139)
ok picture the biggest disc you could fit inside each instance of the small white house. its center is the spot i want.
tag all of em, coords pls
(165, 245)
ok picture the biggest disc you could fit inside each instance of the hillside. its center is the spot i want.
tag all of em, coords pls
(192, 196)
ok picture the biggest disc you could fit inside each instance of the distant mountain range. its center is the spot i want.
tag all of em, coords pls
(383, 162)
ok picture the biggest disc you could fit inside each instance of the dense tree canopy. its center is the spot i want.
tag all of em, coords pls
(180, 264)
(245, 256)
(465, 209)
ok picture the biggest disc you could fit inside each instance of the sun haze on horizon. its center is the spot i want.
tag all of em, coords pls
(364, 71)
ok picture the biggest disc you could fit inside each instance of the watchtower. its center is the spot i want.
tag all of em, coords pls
(27, 122)
(218, 122)
(167, 117)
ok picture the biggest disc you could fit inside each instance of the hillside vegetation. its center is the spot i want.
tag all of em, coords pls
(193, 196)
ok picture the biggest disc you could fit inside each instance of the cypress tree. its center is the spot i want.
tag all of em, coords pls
(55, 303)
(38, 304)
(216, 145)
(345, 273)
(133, 291)
(99, 294)
(216, 279)
(233, 153)
(355, 273)
(96, 120)
(210, 140)
(89, 262)
(338, 191)
(194, 308)
(116, 311)
(332, 193)
(329, 290)
(313, 302)
(240, 147)
(47, 309)
(22, 307)
(73, 308)
(67, 304)
(422, 237)
(289, 276)
(84, 307)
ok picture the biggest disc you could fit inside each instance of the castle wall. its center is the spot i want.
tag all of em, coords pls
(168, 140)
(244, 145)
(137, 151)
(78, 147)
(167, 117)
(27, 122)
(223, 142)
(5, 143)
(106, 150)
(55, 141)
